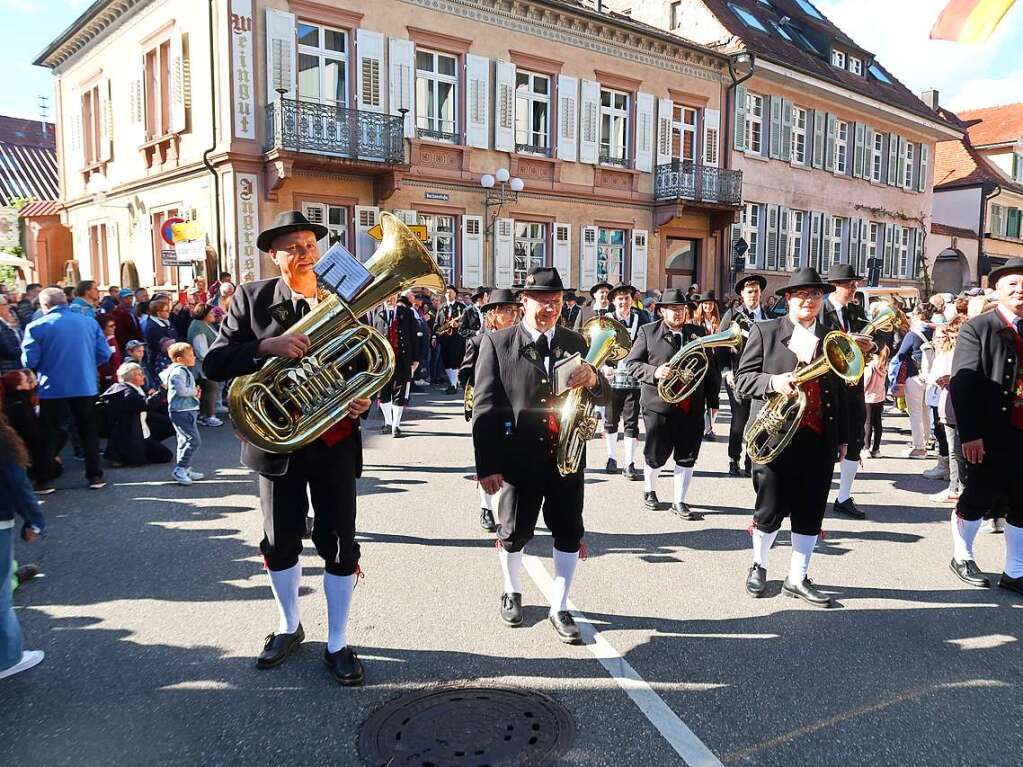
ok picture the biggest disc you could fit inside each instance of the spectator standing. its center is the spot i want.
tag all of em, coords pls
(21, 401)
(201, 335)
(10, 338)
(158, 329)
(108, 370)
(183, 406)
(132, 441)
(110, 300)
(940, 470)
(940, 373)
(142, 307)
(126, 324)
(28, 304)
(86, 299)
(214, 288)
(910, 356)
(65, 349)
(875, 384)
(181, 312)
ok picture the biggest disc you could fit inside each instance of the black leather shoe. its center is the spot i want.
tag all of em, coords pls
(807, 592)
(487, 520)
(747, 470)
(849, 508)
(612, 466)
(278, 647)
(564, 624)
(345, 666)
(511, 610)
(733, 469)
(756, 581)
(968, 572)
(397, 433)
(709, 436)
(630, 472)
(450, 390)
(1011, 584)
(385, 428)
(650, 501)
(683, 511)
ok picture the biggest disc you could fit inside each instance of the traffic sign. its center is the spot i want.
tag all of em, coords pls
(167, 230)
(377, 233)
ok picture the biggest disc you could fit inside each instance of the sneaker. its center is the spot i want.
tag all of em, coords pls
(221, 409)
(915, 452)
(29, 658)
(212, 421)
(938, 471)
(44, 488)
(875, 453)
(993, 526)
(200, 420)
(95, 483)
(195, 475)
(181, 475)
(945, 496)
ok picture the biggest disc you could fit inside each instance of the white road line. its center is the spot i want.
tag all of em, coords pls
(689, 747)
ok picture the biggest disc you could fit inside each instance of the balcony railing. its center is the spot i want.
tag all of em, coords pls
(543, 151)
(437, 135)
(687, 180)
(301, 126)
(607, 158)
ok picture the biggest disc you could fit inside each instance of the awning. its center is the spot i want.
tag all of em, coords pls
(6, 259)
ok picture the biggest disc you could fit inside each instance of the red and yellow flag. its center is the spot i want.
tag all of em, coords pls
(970, 21)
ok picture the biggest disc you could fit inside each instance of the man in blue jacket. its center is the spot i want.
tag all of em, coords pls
(64, 348)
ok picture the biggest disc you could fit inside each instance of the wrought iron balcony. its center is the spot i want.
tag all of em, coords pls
(543, 151)
(437, 135)
(606, 158)
(325, 129)
(687, 180)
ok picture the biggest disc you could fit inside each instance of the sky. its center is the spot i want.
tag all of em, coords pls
(967, 76)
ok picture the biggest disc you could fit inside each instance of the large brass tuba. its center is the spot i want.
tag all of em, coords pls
(609, 342)
(770, 432)
(689, 364)
(289, 403)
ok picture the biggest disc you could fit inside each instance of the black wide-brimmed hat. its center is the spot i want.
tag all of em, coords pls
(501, 297)
(542, 279)
(570, 295)
(807, 277)
(707, 295)
(1012, 266)
(674, 297)
(287, 222)
(480, 291)
(619, 288)
(599, 285)
(843, 273)
(759, 279)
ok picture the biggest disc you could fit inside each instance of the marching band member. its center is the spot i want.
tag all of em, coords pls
(515, 433)
(396, 322)
(671, 429)
(445, 330)
(797, 482)
(570, 315)
(253, 332)
(749, 290)
(471, 323)
(987, 396)
(599, 305)
(501, 311)
(624, 403)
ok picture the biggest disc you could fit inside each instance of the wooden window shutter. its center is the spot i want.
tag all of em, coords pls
(568, 118)
(711, 137)
(739, 121)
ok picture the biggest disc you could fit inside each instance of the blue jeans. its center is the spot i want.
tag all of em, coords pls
(188, 435)
(10, 631)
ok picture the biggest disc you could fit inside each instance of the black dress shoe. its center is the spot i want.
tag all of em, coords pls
(650, 501)
(1010, 584)
(384, 428)
(747, 470)
(487, 520)
(345, 666)
(807, 592)
(511, 610)
(756, 581)
(278, 647)
(849, 508)
(564, 624)
(630, 472)
(683, 511)
(709, 436)
(612, 466)
(733, 469)
(450, 390)
(397, 433)
(968, 572)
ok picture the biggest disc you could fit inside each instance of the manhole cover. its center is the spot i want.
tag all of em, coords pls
(478, 726)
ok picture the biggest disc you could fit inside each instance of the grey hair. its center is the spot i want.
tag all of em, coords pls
(126, 369)
(51, 297)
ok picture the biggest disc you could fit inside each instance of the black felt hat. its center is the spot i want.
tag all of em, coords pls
(287, 222)
(674, 297)
(759, 279)
(807, 277)
(480, 291)
(843, 273)
(707, 295)
(542, 279)
(501, 297)
(620, 287)
(599, 285)
(1012, 266)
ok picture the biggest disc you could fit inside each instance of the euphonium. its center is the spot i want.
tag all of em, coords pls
(886, 319)
(609, 342)
(289, 403)
(770, 432)
(689, 364)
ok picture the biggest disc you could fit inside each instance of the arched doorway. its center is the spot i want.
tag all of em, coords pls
(951, 272)
(680, 264)
(129, 275)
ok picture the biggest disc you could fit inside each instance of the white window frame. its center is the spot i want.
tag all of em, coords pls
(856, 66)
(838, 59)
(838, 227)
(441, 244)
(877, 158)
(754, 122)
(528, 234)
(841, 147)
(614, 114)
(322, 54)
(901, 256)
(434, 79)
(525, 99)
(680, 127)
(604, 246)
(750, 222)
(907, 172)
(794, 247)
(799, 135)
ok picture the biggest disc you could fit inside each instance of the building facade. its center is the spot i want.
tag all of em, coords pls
(346, 109)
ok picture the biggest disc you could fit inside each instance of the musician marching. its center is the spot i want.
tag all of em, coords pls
(471, 322)
(445, 332)
(396, 322)
(516, 436)
(624, 403)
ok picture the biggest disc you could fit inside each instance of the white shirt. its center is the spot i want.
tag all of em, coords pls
(841, 310)
(758, 313)
(143, 414)
(804, 341)
(534, 334)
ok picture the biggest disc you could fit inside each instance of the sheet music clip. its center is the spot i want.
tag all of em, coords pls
(342, 273)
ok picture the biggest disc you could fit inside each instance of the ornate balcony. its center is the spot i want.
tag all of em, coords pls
(325, 129)
(607, 158)
(687, 180)
(534, 149)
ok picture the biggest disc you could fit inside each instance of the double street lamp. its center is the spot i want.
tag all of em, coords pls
(499, 189)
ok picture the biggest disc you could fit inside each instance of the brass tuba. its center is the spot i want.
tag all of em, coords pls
(609, 342)
(768, 434)
(689, 364)
(289, 403)
(886, 319)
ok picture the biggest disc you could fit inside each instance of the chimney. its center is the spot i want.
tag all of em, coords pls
(930, 98)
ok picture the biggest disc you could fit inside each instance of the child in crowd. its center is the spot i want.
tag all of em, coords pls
(183, 406)
(875, 381)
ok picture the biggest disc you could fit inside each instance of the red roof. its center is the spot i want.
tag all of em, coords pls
(957, 164)
(40, 208)
(998, 125)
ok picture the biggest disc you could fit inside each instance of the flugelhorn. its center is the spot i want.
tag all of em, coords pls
(689, 364)
(886, 319)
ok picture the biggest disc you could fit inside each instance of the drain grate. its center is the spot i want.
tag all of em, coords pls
(458, 726)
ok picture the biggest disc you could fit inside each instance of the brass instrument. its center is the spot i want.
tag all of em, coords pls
(609, 342)
(467, 399)
(886, 319)
(448, 327)
(289, 403)
(768, 434)
(689, 364)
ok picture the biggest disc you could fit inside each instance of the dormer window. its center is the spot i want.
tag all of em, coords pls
(878, 74)
(747, 18)
(780, 30)
(856, 66)
(809, 9)
(838, 59)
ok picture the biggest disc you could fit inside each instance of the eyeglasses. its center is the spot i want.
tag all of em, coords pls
(807, 295)
(556, 300)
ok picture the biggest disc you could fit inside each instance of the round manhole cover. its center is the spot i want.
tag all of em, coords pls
(478, 726)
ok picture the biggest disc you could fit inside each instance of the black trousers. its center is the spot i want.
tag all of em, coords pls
(623, 406)
(740, 415)
(397, 389)
(998, 481)
(329, 476)
(561, 499)
(53, 413)
(677, 434)
(452, 349)
(872, 428)
(794, 485)
(857, 421)
(939, 433)
(153, 451)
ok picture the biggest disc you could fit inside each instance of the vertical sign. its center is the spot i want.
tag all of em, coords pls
(247, 221)
(242, 89)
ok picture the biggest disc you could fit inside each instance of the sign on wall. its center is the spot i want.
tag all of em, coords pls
(242, 84)
(10, 234)
(247, 224)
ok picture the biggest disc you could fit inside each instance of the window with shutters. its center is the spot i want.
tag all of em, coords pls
(798, 135)
(98, 250)
(611, 255)
(841, 146)
(323, 66)
(1012, 223)
(532, 113)
(158, 90)
(875, 232)
(684, 123)
(530, 249)
(335, 218)
(436, 94)
(856, 66)
(903, 251)
(792, 258)
(440, 241)
(750, 222)
(907, 174)
(838, 59)
(754, 122)
(838, 228)
(91, 117)
(614, 126)
(877, 157)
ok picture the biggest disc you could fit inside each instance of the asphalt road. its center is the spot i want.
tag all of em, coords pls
(154, 604)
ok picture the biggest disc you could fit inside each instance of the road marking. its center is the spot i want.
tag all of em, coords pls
(672, 729)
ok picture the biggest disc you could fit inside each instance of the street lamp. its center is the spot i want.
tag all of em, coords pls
(499, 188)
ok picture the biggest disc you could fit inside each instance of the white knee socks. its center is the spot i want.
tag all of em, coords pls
(486, 499)
(452, 376)
(284, 584)
(762, 543)
(338, 589)
(1013, 551)
(683, 476)
(385, 408)
(564, 569)
(963, 534)
(649, 478)
(612, 445)
(630, 450)
(847, 473)
(802, 550)
(511, 566)
(396, 411)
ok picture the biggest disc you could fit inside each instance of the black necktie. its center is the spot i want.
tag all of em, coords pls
(1019, 326)
(544, 349)
(841, 317)
(302, 308)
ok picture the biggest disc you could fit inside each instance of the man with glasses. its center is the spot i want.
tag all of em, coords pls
(796, 483)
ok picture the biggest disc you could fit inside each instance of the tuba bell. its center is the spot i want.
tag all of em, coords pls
(886, 319)
(689, 364)
(768, 434)
(289, 403)
(609, 342)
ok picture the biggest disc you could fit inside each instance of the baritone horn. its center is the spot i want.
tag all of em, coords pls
(689, 364)
(886, 319)
(768, 434)
(609, 342)
(289, 403)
